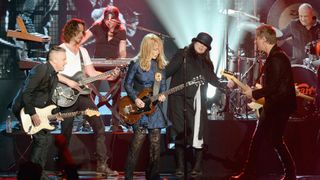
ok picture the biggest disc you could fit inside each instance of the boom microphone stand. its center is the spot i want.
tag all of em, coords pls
(144, 29)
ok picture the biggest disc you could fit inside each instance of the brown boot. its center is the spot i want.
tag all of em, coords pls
(102, 168)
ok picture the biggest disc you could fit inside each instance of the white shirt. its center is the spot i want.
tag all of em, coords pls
(73, 60)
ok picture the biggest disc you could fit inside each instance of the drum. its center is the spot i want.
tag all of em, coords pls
(241, 65)
(305, 81)
(313, 49)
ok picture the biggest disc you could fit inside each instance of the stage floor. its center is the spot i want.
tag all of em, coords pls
(90, 175)
(225, 152)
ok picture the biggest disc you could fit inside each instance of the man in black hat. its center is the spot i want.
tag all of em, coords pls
(192, 61)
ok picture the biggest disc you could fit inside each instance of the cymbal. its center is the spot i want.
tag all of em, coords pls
(252, 26)
(316, 63)
(236, 13)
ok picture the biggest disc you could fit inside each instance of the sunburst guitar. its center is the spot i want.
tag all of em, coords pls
(131, 114)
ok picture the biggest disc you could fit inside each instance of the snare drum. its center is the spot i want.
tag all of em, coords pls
(305, 80)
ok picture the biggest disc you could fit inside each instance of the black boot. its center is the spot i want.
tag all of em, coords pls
(179, 161)
(287, 162)
(197, 165)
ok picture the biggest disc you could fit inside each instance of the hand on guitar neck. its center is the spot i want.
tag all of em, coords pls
(64, 94)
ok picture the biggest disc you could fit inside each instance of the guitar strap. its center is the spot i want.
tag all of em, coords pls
(91, 86)
(260, 75)
(157, 80)
(82, 62)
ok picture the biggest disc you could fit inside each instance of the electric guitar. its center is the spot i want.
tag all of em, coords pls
(130, 113)
(65, 96)
(45, 115)
(257, 104)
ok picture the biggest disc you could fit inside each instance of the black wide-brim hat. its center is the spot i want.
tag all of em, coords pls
(204, 38)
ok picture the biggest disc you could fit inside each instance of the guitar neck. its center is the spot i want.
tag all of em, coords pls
(235, 80)
(168, 92)
(239, 83)
(66, 115)
(309, 98)
(95, 78)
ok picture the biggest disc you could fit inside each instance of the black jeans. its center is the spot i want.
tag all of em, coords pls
(270, 129)
(40, 145)
(83, 103)
(152, 172)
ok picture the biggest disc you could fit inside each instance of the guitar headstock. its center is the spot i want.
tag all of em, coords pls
(91, 112)
(228, 74)
(198, 80)
(123, 68)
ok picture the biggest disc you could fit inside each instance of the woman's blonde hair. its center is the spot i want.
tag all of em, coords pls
(145, 54)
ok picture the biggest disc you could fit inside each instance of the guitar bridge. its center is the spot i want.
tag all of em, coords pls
(128, 109)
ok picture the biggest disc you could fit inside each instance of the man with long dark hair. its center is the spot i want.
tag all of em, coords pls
(77, 55)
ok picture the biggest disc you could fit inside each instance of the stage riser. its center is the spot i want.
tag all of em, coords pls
(225, 152)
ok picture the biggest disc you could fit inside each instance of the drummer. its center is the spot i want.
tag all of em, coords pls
(303, 30)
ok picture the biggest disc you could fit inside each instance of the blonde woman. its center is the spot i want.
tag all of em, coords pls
(148, 69)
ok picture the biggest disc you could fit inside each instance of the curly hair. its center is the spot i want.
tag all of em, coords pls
(70, 29)
(147, 44)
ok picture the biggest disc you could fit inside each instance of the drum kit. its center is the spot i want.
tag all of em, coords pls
(247, 69)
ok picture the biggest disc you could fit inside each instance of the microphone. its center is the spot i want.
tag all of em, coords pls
(109, 17)
(130, 44)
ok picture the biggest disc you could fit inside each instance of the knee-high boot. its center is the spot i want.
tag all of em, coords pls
(197, 165)
(179, 160)
(133, 153)
(154, 156)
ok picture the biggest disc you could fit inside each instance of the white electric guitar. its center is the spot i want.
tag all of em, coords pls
(45, 115)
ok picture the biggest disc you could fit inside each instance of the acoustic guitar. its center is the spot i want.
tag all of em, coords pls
(65, 96)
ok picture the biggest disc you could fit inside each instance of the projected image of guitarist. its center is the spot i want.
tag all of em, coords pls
(36, 93)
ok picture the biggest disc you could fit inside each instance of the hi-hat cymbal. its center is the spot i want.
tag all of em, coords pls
(236, 13)
(316, 63)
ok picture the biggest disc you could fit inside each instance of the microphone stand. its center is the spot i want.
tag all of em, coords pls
(245, 74)
(146, 30)
(185, 140)
(226, 108)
